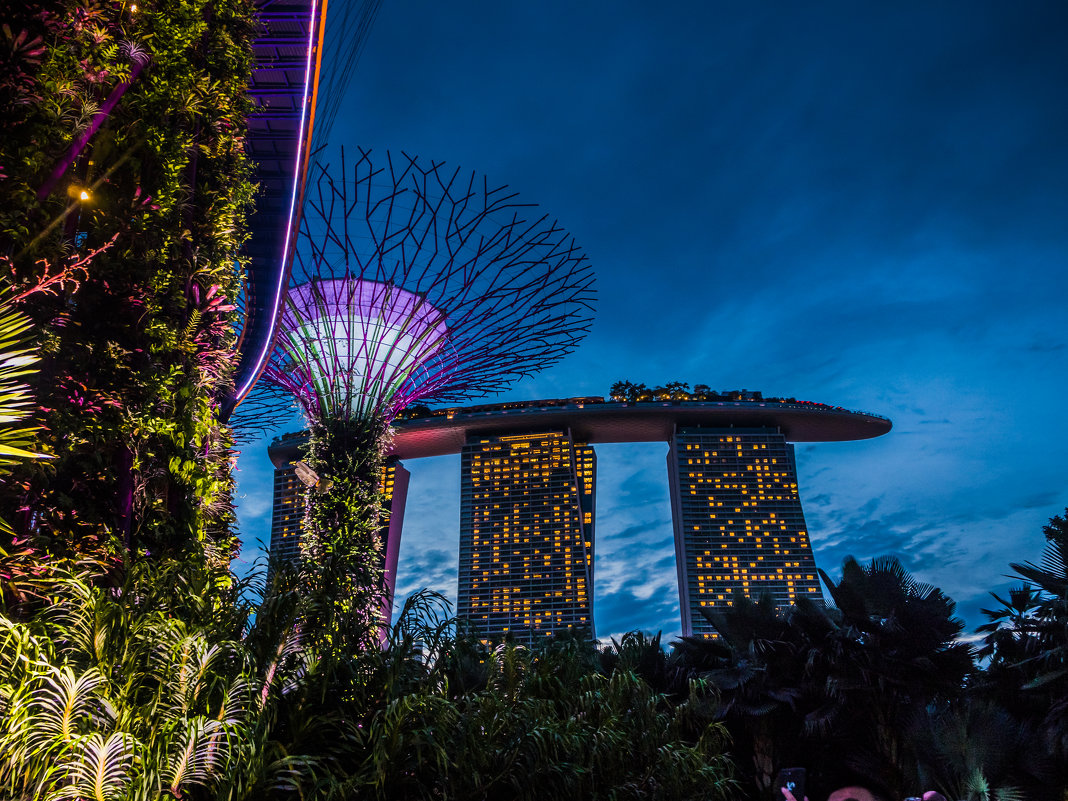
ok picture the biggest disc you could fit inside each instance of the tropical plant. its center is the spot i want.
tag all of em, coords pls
(17, 360)
(975, 750)
(834, 688)
(895, 652)
(759, 663)
(1027, 645)
(18, 557)
(645, 657)
(124, 693)
(122, 213)
(541, 728)
(342, 561)
(173, 685)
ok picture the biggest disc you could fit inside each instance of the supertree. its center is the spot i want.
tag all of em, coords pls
(412, 282)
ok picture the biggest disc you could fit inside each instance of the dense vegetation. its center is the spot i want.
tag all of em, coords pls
(676, 390)
(680, 391)
(183, 684)
(881, 685)
(123, 194)
(169, 688)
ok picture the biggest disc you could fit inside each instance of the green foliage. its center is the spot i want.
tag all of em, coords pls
(130, 289)
(839, 687)
(341, 550)
(18, 559)
(120, 693)
(879, 688)
(679, 391)
(16, 399)
(167, 687)
(978, 750)
(530, 724)
(529, 737)
(1027, 646)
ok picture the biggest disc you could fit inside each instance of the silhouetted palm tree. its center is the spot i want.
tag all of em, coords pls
(834, 687)
(894, 653)
(1027, 642)
(758, 664)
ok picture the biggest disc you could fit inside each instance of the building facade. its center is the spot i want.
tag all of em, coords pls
(287, 512)
(526, 535)
(738, 522)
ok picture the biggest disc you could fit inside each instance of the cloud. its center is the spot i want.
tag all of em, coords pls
(430, 569)
(256, 505)
(636, 531)
(1039, 500)
(621, 611)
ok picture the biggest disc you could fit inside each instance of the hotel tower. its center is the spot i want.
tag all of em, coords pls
(738, 521)
(527, 500)
(526, 535)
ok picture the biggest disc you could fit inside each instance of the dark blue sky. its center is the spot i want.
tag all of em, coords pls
(861, 204)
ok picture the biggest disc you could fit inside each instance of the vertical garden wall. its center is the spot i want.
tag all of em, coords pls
(124, 191)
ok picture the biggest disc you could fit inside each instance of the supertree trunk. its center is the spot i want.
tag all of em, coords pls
(341, 544)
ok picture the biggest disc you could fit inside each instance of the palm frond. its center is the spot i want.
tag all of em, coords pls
(238, 701)
(16, 399)
(185, 664)
(102, 770)
(63, 705)
(80, 618)
(200, 750)
(20, 650)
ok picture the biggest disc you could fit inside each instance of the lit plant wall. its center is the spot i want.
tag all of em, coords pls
(123, 199)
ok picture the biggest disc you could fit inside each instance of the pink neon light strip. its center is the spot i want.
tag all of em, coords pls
(292, 208)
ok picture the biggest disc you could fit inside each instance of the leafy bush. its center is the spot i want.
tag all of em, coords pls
(168, 686)
(122, 213)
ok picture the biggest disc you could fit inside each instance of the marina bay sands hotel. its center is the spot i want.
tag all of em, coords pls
(528, 491)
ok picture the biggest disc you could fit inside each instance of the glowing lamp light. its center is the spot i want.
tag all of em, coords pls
(83, 195)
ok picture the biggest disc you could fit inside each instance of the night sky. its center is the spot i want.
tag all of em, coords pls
(856, 203)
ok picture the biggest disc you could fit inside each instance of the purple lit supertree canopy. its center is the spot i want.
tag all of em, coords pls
(415, 282)
(412, 282)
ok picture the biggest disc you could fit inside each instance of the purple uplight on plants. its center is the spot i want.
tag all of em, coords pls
(416, 282)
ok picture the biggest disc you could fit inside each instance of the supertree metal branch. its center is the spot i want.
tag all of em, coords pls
(412, 281)
(416, 282)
